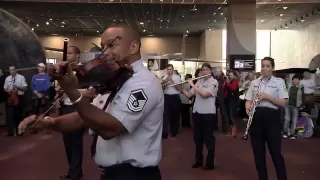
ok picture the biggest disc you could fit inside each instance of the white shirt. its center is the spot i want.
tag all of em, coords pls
(18, 80)
(172, 90)
(274, 87)
(309, 86)
(139, 107)
(205, 105)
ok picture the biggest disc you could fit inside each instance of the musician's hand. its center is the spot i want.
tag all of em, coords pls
(248, 110)
(67, 80)
(24, 124)
(190, 81)
(28, 123)
(262, 96)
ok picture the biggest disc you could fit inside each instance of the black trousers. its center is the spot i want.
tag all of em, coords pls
(203, 125)
(14, 116)
(185, 115)
(40, 105)
(232, 106)
(171, 114)
(221, 105)
(73, 144)
(266, 128)
(129, 172)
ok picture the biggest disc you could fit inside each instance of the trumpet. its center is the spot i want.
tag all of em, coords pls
(183, 82)
(167, 82)
(254, 105)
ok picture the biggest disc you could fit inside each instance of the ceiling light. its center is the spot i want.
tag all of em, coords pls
(32, 29)
(262, 21)
(209, 29)
(62, 26)
(214, 13)
(141, 23)
(187, 31)
(219, 7)
(63, 22)
(144, 30)
(37, 25)
(302, 20)
(281, 14)
(50, 19)
(221, 14)
(47, 23)
(214, 20)
(279, 0)
(98, 31)
(285, 7)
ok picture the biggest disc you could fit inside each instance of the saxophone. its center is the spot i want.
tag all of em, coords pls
(166, 82)
(253, 105)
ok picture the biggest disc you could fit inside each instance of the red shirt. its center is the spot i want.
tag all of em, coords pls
(230, 87)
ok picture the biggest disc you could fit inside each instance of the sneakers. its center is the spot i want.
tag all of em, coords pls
(285, 136)
(292, 137)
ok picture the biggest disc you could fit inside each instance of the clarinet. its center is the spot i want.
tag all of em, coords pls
(254, 105)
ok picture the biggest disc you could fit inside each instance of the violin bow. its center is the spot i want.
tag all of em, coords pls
(55, 102)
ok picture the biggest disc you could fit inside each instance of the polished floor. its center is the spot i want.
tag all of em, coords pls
(41, 157)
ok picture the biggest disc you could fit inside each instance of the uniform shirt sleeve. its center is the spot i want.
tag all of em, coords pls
(176, 78)
(282, 91)
(6, 83)
(23, 82)
(249, 94)
(134, 102)
(212, 88)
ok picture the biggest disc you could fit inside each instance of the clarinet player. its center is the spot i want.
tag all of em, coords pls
(266, 123)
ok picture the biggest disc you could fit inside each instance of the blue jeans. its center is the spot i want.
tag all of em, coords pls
(290, 117)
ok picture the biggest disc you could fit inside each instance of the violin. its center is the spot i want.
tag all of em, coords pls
(13, 98)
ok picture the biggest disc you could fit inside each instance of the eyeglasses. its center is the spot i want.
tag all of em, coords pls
(12, 69)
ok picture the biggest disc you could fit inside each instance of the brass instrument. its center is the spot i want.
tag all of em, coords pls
(253, 105)
(167, 82)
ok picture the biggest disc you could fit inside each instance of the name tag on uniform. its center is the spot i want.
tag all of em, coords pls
(272, 86)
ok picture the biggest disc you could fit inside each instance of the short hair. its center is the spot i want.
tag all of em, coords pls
(270, 59)
(135, 35)
(206, 65)
(188, 76)
(170, 65)
(295, 77)
(76, 49)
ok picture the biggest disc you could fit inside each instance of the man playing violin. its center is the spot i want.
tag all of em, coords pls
(129, 128)
(15, 85)
(73, 141)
